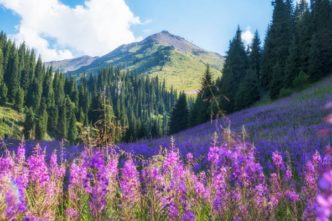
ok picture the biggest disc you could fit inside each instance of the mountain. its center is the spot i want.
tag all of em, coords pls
(172, 58)
(71, 64)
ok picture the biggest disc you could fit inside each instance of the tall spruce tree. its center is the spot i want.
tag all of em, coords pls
(3, 87)
(180, 115)
(276, 48)
(234, 71)
(320, 62)
(248, 91)
(205, 106)
(1, 68)
(298, 58)
(255, 56)
(19, 99)
(41, 125)
(12, 76)
(72, 132)
(62, 129)
(29, 124)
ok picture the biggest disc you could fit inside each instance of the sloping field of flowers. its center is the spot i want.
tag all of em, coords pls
(299, 124)
(103, 184)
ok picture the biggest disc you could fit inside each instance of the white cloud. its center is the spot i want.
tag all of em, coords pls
(247, 36)
(94, 28)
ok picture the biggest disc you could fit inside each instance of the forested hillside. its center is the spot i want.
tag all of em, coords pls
(297, 51)
(57, 107)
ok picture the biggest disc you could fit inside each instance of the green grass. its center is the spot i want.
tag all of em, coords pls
(317, 90)
(183, 72)
(11, 122)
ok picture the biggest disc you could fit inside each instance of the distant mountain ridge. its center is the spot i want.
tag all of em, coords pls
(172, 58)
(71, 64)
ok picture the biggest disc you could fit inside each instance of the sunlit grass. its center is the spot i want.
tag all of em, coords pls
(10, 122)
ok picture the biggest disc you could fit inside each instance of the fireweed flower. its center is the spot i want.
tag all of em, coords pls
(171, 159)
(276, 190)
(260, 196)
(324, 198)
(130, 184)
(58, 171)
(292, 196)
(188, 216)
(288, 174)
(310, 190)
(190, 158)
(12, 197)
(76, 189)
(111, 174)
(6, 165)
(72, 214)
(219, 186)
(200, 189)
(38, 171)
(96, 183)
(20, 155)
(316, 159)
(277, 160)
(77, 174)
(213, 155)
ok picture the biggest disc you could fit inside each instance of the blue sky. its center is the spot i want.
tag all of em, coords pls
(209, 24)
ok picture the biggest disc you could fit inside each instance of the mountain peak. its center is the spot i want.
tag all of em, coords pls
(165, 38)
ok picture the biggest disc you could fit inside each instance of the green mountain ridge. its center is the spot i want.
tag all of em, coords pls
(171, 58)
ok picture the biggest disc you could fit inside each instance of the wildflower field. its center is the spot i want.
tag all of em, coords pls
(278, 168)
(104, 184)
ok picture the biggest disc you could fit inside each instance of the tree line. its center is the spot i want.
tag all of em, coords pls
(297, 51)
(60, 107)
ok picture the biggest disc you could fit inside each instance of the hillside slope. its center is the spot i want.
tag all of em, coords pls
(299, 124)
(172, 58)
(10, 123)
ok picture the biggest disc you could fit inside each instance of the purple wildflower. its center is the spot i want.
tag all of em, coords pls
(277, 160)
(129, 184)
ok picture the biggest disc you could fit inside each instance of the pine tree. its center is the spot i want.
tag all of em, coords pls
(320, 61)
(298, 58)
(72, 129)
(12, 76)
(277, 43)
(41, 125)
(48, 90)
(53, 120)
(255, 56)
(205, 107)
(180, 115)
(248, 92)
(29, 123)
(277, 81)
(234, 71)
(62, 123)
(35, 94)
(3, 87)
(19, 100)
(1, 68)
(3, 94)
